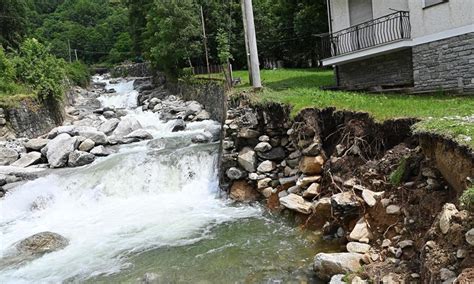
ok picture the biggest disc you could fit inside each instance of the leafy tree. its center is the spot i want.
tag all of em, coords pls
(13, 22)
(173, 31)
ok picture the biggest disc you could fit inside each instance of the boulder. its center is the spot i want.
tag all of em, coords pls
(193, 108)
(86, 145)
(234, 173)
(202, 115)
(98, 137)
(141, 134)
(247, 159)
(266, 166)
(247, 133)
(337, 279)
(243, 192)
(28, 159)
(328, 264)
(58, 149)
(7, 156)
(275, 154)
(312, 150)
(264, 138)
(311, 165)
(263, 147)
(80, 158)
(312, 191)
(109, 114)
(470, 237)
(345, 202)
(109, 126)
(445, 216)
(297, 203)
(100, 151)
(66, 129)
(126, 126)
(304, 181)
(357, 247)
(178, 125)
(42, 243)
(361, 231)
(201, 138)
(35, 144)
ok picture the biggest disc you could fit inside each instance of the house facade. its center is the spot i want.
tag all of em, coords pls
(419, 45)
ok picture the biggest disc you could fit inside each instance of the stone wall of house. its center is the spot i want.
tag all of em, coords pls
(445, 64)
(388, 70)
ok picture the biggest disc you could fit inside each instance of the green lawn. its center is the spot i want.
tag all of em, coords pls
(301, 88)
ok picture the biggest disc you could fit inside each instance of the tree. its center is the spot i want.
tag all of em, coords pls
(173, 34)
(13, 22)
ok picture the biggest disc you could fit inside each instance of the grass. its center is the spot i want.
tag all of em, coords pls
(467, 199)
(300, 88)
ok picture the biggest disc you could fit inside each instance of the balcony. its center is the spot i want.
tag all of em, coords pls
(381, 31)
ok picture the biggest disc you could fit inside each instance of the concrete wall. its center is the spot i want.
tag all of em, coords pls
(446, 64)
(441, 17)
(391, 70)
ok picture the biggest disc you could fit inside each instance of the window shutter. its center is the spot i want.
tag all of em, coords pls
(360, 11)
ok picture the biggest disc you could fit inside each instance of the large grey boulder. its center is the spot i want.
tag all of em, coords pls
(126, 126)
(86, 145)
(7, 156)
(80, 158)
(42, 243)
(328, 264)
(140, 134)
(98, 137)
(35, 144)
(28, 159)
(297, 203)
(202, 115)
(109, 126)
(58, 149)
(247, 159)
(178, 125)
(67, 129)
(100, 151)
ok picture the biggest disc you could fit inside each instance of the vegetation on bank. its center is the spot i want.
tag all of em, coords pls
(443, 114)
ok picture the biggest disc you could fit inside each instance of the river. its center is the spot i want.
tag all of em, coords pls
(152, 208)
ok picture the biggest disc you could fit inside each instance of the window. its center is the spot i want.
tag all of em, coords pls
(429, 3)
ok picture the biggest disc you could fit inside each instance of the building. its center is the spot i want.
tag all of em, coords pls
(418, 45)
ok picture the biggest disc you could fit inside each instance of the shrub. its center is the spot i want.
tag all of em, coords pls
(467, 199)
(7, 77)
(39, 70)
(396, 177)
(78, 73)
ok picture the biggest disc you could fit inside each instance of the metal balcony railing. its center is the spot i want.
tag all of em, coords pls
(383, 30)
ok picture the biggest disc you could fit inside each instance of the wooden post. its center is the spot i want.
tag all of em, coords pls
(256, 81)
(205, 42)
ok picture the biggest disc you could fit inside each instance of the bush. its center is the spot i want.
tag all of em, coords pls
(467, 199)
(7, 71)
(397, 176)
(39, 70)
(78, 73)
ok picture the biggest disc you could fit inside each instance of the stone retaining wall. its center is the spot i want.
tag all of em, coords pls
(445, 64)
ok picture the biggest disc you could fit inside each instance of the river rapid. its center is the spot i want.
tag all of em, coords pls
(150, 213)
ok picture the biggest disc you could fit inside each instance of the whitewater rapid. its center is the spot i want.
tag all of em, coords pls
(136, 200)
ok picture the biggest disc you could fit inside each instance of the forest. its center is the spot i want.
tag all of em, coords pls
(79, 33)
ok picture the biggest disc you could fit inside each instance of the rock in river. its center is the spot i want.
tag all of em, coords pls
(58, 149)
(80, 158)
(109, 126)
(297, 203)
(41, 243)
(126, 126)
(36, 144)
(7, 156)
(28, 159)
(328, 264)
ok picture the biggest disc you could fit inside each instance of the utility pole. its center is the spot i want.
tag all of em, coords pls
(247, 53)
(205, 42)
(252, 38)
(69, 49)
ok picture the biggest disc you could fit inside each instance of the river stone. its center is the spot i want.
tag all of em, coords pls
(312, 191)
(80, 158)
(264, 138)
(263, 147)
(312, 150)
(234, 173)
(7, 156)
(338, 279)
(86, 145)
(98, 137)
(361, 231)
(275, 154)
(357, 247)
(470, 237)
(66, 129)
(202, 115)
(141, 134)
(41, 243)
(100, 151)
(345, 202)
(193, 107)
(297, 203)
(248, 133)
(178, 125)
(28, 159)
(109, 126)
(266, 166)
(328, 264)
(58, 149)
(311, 165)
(201, 138)
(35, 144)
(304, 181)
(247, 159)
(109, 114)
(243, 192)
(446, 214)
(126, 126)
(263, 183)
